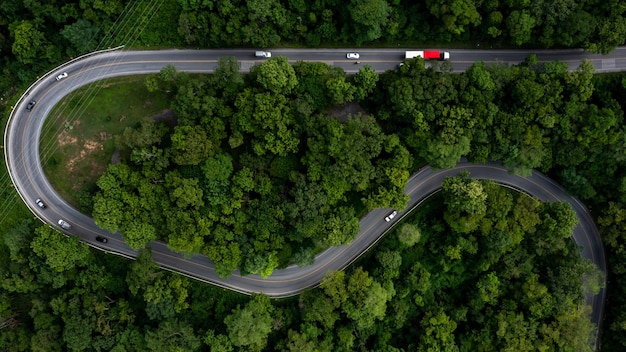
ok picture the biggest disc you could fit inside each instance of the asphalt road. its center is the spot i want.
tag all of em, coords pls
(24, 129)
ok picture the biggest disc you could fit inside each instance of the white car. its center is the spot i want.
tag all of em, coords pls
(391, 216)
(265, 54)
(61, 76)
(40, 203)
(354, 56)
(64, 224)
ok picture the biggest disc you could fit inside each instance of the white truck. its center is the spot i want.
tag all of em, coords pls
(428, 55)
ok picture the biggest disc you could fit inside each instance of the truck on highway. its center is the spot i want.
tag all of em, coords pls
(428, 55)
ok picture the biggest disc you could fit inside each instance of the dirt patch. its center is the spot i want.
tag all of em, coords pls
(105, 136)
(343, 112)
(64, 139)
(89, 148)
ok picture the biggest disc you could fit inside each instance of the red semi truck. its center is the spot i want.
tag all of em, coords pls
(428, 55)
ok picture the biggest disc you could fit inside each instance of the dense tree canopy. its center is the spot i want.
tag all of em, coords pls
(248, 202)
(259, 171)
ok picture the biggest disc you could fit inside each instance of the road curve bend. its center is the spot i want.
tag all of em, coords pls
(23, 160)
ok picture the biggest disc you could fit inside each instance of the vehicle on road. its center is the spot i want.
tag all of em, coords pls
(354, 56)
(391, 216)
(61, 76)
(64, 224)
(102, 239)
(265, 54)
(428, 55)
(40, 203)
(31, 105)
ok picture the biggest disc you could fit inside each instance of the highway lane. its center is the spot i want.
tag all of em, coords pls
(22, 148)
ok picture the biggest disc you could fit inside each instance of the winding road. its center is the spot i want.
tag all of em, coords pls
(24, 128)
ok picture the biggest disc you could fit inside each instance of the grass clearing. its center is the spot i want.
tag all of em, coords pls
(78, 137)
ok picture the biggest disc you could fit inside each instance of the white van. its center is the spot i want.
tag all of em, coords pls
(265, 54)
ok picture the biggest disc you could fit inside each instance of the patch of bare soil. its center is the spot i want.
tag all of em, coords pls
(343, 112)
(89, 148)
(64, 139)
(105, 136)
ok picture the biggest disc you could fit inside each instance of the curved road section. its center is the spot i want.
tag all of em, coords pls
(24, 128)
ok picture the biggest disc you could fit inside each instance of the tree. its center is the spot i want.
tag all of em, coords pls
(227, 75)
(333, 285)
(390, 262)
(409, 234)
(249, 326)
(270, 120)
(451, 138)
(365, 82)
(297, 342)
(184, 192)
(217, 178)
(47, 335)
(456, 15)
(339, 90)
(172, 335)
(466, 202)
(520, 25)
(276, 75)
(369, 17)
(77, 332)
(367, 300)
(342, 155)
(28, 42)
(61, 253)
(318, 308)
(439, 332)
(82, 34)
(190, 145)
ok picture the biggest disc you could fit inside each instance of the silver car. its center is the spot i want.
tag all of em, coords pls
(64, 224)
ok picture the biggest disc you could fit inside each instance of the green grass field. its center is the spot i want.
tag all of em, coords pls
(78, 137)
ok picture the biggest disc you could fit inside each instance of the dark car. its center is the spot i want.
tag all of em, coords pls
(31, 105)
(40, 203)
(102, 239)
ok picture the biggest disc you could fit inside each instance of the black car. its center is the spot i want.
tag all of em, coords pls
(102, 239)
(31, 105)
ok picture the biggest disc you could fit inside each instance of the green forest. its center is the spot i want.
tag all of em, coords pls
(512, 281)
(252, 174)
(37, 35)
(261, 170)
(479, 268)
